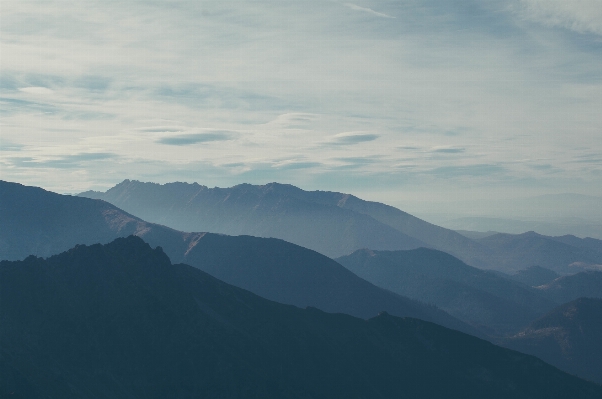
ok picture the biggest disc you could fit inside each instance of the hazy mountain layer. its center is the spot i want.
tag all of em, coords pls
(120, 321)
(568, 288)
(515, 252)
(271, 268)
(479, 297)
(264, 211)
(535, 276)
(567, 337)
(334, 224)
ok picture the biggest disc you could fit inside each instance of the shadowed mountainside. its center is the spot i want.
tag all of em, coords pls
(120, 321)
(476, 296)
(567, 337)
(569, 288)
(268, 267)
(535, 276)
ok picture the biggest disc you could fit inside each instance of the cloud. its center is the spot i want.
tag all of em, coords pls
(350, 138)
(368, 10)
(65, 162)
(468, 170)
(195, 138)
(8, 146)
(448, 150)
(582, 16)
(36, 90)
(290, 165)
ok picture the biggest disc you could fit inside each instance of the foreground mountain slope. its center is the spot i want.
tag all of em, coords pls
(120, 321)
(271, 268)
(567, 337)
(473, 295)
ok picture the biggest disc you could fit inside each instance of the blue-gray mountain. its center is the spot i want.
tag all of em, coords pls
(331, 223)
(41, 223)
(480, 297)
(121, 321)
(568, 337)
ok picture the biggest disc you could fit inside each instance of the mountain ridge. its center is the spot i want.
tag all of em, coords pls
(120, 320)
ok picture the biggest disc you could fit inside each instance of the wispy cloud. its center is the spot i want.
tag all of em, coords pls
(195, 138)
(63, 162)
(350, 138)
(446, 94)
(368, 10)
(582, 16)
(36, 90)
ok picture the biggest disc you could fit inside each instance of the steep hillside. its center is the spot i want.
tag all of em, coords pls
(568, 337)
(479, 297)
(120, 321)
(568, 288)
(535, 276)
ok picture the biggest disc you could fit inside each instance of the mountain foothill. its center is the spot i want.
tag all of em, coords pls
(420, 295)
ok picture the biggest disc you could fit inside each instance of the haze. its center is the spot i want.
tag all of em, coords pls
(430, 106)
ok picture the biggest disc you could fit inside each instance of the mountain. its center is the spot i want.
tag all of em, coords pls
(273, 210)
(334, 224)
(512, 252)
(535, 276)
(271, 268)
(121, 321)
(568, 288)
(476, 296)
(567, 337)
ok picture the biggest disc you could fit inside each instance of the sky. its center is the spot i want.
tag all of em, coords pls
(425, 105)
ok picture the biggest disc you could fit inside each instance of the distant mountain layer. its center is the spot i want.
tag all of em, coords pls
(565, 255)
(567, 337)
(42, 223)
(568, 288)
(334, 224)
(264, 211)
(120, 321)
(535, 276)
(479, 297)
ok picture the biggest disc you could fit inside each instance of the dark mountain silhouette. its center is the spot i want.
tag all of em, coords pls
(334, 224)
(568, 288)
(512, 252)
(121, 321)
(476, 296)
(534, 276)
(567, 337)
(271, 268)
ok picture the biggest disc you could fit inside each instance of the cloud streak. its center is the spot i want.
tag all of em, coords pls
(367, 10)
(196, 138)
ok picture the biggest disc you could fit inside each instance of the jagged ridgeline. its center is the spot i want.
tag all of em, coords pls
(120, 321)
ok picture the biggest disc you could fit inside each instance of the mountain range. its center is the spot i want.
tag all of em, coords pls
(271, 268)
(120, 321)
(336, 224)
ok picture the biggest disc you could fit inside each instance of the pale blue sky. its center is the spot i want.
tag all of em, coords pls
(404, 102)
